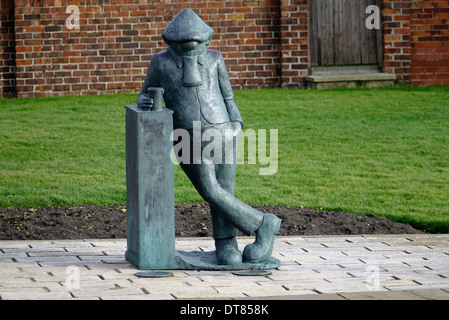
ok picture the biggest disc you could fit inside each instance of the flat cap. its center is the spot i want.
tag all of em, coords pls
(187, 26)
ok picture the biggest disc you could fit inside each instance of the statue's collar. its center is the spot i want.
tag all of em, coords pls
(180, 61)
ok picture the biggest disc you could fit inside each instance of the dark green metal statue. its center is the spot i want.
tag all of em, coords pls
(196, 87)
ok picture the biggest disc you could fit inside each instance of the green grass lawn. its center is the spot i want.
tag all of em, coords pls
(381, 151)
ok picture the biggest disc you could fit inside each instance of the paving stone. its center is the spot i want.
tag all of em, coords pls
(430, 294)
(416, 286)
(29, 250)
(19, 283)
(108, 243)
(383, 295)
(346, 287)
(38, 293)
(265, 290)
(196, 293)
(230, 292)
(14, 244)
(45, 261)
(425, 279)
(300, 284)
(106, 292)
(280, 275)
(60, 244)
(163, 296)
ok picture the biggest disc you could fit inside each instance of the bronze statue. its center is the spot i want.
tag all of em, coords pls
(196, 87)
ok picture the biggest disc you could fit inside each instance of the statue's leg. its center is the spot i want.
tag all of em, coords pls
(225, 174)
(223, 231)
(236, 212)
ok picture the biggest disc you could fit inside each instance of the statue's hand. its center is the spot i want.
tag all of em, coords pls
(237, 127)
(146, 103)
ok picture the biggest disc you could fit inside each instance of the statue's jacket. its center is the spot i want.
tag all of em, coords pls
(212, 102)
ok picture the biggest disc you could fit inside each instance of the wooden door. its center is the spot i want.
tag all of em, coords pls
(339, 36)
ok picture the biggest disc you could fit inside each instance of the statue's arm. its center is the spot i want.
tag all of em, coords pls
(226, 91)
(151, 80)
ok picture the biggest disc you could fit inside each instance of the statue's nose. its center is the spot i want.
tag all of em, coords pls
(190, 45)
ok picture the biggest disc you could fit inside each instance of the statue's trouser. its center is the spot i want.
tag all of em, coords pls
(215, 182)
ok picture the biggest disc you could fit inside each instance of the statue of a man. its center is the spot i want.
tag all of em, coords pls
(197, 88)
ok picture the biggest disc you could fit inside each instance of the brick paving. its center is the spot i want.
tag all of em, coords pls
(382, 267)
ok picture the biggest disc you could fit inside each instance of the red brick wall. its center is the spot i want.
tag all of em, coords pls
(396, 30)
(294, 42)
(117, 38)
(247, 34)
(264, 43)
(429, 42)
(7, 49)
(416, 35)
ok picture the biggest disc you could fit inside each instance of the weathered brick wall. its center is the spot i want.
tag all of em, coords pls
(264, 43)
(416, 35)
(7, 49)
(294, 40)
(429, 42)
(396, 30)
(116, 40)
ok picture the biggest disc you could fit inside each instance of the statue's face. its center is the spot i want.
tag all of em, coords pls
(188, 48)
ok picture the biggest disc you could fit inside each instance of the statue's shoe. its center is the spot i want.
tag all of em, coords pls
(262, 248)
(227, 251)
